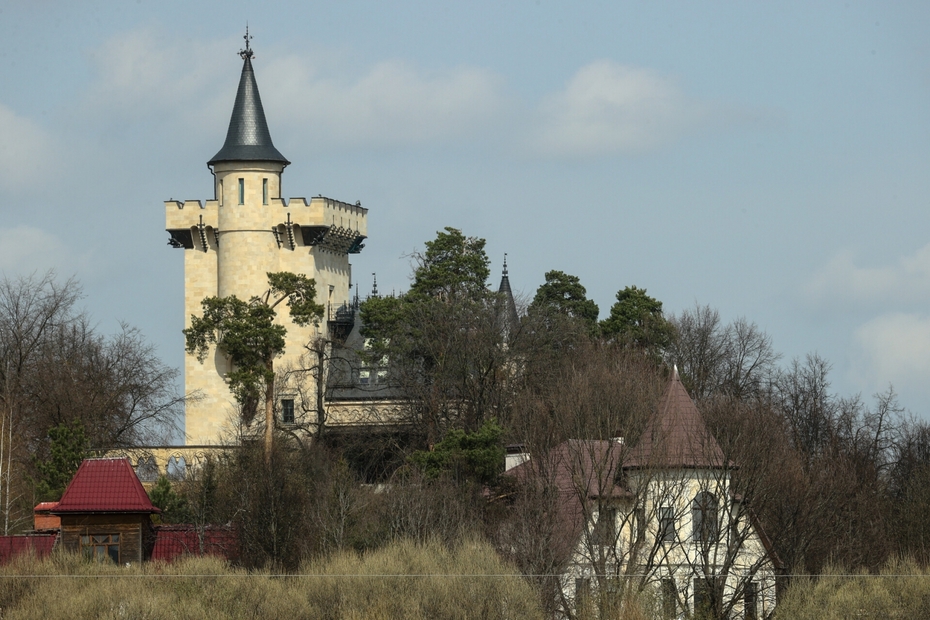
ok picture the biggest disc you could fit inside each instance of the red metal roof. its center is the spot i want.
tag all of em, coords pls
(105, 485)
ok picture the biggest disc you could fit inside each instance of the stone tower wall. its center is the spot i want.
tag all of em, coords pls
(230, 250)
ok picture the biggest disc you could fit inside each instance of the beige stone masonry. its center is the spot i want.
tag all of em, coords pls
(238, 237)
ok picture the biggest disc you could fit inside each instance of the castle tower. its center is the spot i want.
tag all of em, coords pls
(231, 242)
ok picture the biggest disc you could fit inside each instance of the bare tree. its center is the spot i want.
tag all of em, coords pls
(735, 359)
(56, 369)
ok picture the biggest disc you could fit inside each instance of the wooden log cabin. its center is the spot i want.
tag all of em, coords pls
(105, 513)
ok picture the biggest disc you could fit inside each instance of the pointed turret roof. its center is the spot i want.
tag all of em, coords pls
(248, 138)
(676, 436)
(510, 306)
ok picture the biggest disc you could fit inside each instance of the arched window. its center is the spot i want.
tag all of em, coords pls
(147, 469)
(177, 468)
(704, 517)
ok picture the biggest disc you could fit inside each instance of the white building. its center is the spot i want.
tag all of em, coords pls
(658, 521)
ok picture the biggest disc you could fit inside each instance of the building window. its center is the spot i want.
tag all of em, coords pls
(751, 601)
(639, 516)
(147, 469)
(605, 530)
(287, 410)
(704, 517)
(707, 595)
(669, 598)
(101, 547)
(582, 590)
(667, 524)
(264, 191)
(242, 191)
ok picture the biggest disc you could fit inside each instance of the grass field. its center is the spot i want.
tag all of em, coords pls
(401, 580)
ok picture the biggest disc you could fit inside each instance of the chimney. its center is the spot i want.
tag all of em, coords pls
(43, 519)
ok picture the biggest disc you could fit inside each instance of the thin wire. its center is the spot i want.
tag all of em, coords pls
(407, 576)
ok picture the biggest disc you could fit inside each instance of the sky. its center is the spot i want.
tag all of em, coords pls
(767, 159)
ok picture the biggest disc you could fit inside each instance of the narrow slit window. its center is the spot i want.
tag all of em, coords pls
(242, 191)
(264, 191)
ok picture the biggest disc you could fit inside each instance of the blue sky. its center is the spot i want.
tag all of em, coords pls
(770, 160)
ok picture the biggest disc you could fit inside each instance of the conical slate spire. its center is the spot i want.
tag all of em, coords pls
(248, 138)
(510, 307)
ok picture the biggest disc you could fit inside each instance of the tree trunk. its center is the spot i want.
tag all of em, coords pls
(269, 413)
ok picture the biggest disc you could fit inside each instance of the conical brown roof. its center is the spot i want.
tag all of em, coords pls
(676, 436)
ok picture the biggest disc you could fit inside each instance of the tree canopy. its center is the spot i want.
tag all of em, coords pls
(453, 266)
(442, 339)
(564, 294)
(636, 320)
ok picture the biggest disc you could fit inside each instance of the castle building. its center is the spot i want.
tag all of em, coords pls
(245, 231)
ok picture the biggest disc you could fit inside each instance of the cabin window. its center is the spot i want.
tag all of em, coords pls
(242, 191)
(287, 410)
(101, 547)
(667, 524)
(704, 517)
(264, 191)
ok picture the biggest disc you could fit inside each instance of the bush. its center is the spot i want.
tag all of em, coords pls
(900, 590)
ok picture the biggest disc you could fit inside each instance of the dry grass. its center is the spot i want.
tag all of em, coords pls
(402, 580)
(901, 590)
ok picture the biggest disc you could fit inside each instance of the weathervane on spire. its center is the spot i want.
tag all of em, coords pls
(505, 263)
(247, 52)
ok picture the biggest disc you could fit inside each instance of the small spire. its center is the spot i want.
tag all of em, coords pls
(374, 287)
(247, 52)
(510, 317)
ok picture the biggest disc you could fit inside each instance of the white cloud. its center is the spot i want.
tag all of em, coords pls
(142, 74)
(320, 98)
(841, 279)
(24, 250)
(25, 150)
(392, 103)
(607, 108)
(315, 96)
(894, 348)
